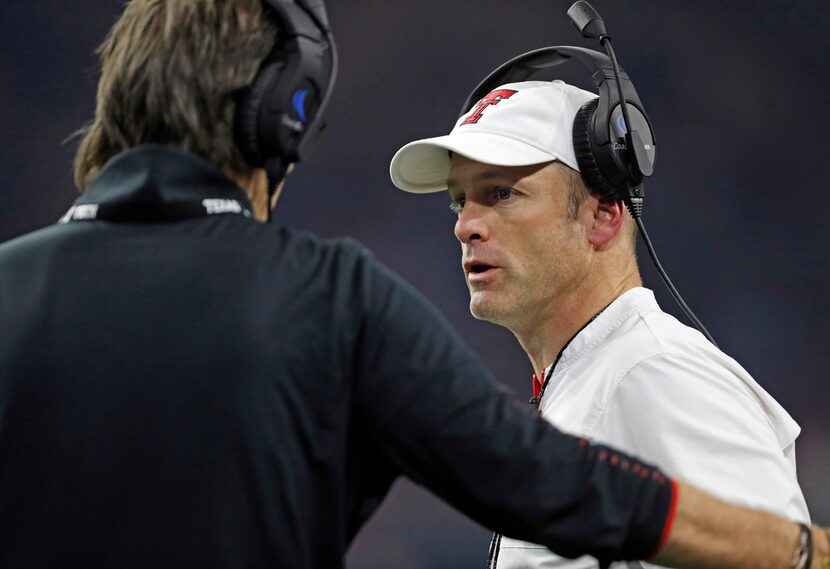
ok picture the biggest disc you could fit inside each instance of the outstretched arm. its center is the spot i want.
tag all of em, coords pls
(708, 533)
(432, 410)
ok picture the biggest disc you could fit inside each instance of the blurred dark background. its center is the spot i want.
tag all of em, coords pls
(737, 92)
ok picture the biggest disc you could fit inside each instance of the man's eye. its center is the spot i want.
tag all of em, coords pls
(504, 193)
(457, 204)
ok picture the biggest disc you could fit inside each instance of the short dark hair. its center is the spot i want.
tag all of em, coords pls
(171, 72)
(578, 192)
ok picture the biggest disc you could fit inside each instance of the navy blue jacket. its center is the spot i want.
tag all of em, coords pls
(218, 393)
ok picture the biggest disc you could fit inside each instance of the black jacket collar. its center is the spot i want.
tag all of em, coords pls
(157, 174)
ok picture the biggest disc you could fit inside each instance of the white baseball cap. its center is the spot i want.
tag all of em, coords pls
(517, 124)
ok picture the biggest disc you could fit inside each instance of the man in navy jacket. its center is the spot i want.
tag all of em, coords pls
(183, 386)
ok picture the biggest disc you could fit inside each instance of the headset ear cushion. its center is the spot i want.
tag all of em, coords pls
(246, 121)
(585, 157)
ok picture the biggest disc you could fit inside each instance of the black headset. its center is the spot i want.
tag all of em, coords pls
(280, 114)
(612, 136)
(614, 160)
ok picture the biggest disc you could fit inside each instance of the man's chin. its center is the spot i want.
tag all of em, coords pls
(484, 308)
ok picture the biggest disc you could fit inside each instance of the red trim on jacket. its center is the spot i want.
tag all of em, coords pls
(664, 537)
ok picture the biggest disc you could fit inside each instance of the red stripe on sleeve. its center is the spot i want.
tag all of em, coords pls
(664, 537)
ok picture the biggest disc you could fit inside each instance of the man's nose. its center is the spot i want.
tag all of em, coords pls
(471, 224)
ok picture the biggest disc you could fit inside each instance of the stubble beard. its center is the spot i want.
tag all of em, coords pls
(520, 300)
(502, 307)
(481, 309)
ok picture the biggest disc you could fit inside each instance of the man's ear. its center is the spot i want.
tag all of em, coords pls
(608, 219)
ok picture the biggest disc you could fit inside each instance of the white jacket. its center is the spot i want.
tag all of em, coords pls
(639, 380)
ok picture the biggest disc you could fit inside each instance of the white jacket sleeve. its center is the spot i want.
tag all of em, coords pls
(702, 423)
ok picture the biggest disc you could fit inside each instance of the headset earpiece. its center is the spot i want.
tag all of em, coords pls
(606, 168)
(248, 110)
(583, 148)
(280, 114)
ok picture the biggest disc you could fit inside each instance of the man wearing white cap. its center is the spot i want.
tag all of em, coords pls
(555, 263)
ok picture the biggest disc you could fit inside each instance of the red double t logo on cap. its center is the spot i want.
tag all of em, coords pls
(493, 98)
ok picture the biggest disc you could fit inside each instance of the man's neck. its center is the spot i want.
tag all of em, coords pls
(255, 185)
(545, 337)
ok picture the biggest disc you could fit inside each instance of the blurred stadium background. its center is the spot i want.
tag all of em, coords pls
(737, 91)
